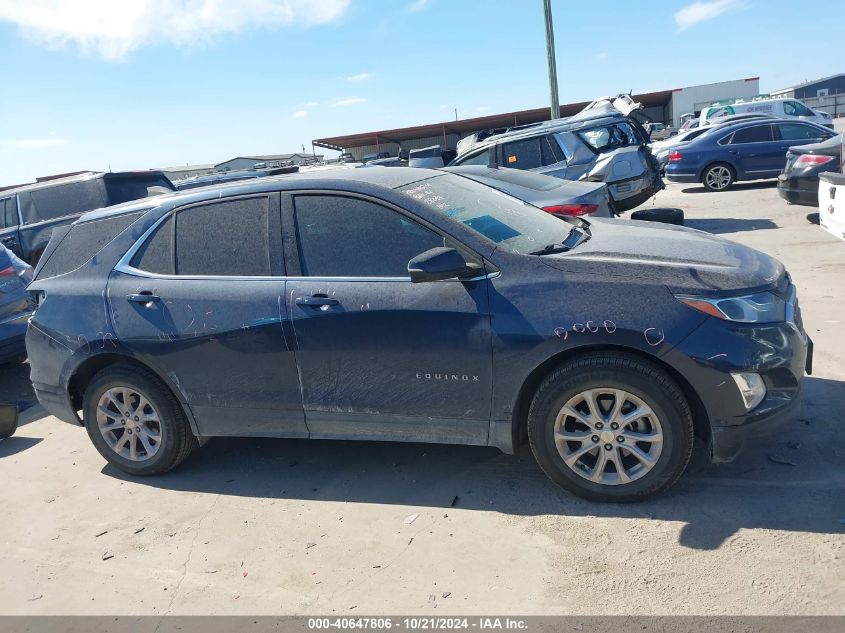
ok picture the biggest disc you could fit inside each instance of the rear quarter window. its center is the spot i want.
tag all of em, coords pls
(126, 188)
(67, 199)
(81, 243)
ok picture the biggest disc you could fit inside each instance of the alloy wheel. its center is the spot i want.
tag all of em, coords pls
(129, 423)
(608, 436)
(718, 177)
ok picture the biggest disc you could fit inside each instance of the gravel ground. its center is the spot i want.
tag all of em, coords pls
(281, 527)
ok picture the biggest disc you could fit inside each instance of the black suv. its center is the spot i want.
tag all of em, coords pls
(413, 305)
(28, 214)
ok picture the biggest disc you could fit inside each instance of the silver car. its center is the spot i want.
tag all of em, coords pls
(553, 195)
(602, 143)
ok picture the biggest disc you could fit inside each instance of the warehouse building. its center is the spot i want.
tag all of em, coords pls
(180, 172)
(826, 94)
(665, 106)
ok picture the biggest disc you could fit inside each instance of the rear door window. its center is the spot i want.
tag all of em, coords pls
(156, 254)
(753, 134)
(228, 238)
(529, 153)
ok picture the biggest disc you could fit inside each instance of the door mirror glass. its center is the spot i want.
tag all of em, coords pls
(440, 263)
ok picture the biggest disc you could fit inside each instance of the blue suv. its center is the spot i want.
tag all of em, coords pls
(749, 150)
(412, 305)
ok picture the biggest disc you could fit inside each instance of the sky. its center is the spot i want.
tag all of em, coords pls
(128, 84)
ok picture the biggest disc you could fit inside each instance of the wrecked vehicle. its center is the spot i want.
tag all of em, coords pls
(412, 305)
(32, 212)
(602, 143)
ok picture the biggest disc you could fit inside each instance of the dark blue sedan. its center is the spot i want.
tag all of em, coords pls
(748, 150)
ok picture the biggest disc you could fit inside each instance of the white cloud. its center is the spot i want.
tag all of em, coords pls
(33, 143)
(300, 114)
(360, 77)
(482, 108)
(698, 12)
(309, 104)
(418, 5)
(348, 102)
(113, 28)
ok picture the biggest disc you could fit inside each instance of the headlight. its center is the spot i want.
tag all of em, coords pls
(760, 307)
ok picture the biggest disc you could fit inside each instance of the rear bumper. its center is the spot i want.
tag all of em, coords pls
(799, 190)
(12, 337)
(47, 358)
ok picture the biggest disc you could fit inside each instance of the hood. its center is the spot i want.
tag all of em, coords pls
(682, 259)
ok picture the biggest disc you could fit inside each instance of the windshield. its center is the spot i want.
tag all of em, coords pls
(503, 219)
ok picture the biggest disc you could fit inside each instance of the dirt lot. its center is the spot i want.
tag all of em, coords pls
(279, 527)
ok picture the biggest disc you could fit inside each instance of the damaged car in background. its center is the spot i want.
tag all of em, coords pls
(602, 143)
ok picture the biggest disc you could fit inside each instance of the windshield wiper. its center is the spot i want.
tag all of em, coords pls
(548, 249)
(575, 237)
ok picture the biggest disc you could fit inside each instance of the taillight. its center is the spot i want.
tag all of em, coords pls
(571, 209)
(810, 160)
(9, 271)
(674, 156)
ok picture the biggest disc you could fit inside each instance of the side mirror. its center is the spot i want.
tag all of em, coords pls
(8, 420)
(440, 263)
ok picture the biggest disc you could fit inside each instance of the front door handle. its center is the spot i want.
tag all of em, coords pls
(145, 296)
(316, 301)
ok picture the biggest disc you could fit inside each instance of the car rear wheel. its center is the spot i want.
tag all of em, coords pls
(135, 422)
(610, 427)
(718, 177)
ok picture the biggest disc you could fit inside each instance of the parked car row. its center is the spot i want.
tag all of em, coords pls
(746, 150)
(602, 143)
(413, 305)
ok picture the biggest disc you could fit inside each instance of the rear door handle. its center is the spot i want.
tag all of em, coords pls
(316, 301)
(145, 296)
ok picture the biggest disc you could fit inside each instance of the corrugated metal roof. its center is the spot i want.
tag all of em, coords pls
(467, 126)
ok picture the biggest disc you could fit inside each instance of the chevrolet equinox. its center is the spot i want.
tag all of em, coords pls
(412, 305)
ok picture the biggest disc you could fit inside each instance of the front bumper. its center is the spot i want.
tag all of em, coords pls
(779, 352)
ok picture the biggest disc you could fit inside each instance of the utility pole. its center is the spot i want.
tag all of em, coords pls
(550, 51)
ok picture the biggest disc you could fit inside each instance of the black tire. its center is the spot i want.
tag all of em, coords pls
(8, 430)
(632, 374)
(665, 216)
(177, 440)
(724, 183)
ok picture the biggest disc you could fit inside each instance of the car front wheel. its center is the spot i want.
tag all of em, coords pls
(135, 422)
(718, 177)
(611, 427)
